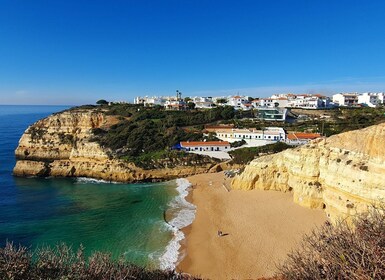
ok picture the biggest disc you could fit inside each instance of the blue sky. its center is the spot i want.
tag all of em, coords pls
(74, 52)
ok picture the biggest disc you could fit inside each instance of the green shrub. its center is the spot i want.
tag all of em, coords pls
(245, 155)
(237, 144)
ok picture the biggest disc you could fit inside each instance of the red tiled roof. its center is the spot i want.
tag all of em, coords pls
(302, 135)
(201, 143)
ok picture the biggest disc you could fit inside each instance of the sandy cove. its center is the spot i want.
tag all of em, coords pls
(260, 228)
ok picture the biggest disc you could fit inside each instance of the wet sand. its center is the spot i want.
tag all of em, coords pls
(260, 228)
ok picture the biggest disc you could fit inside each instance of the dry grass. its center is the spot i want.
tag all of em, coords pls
(342, 251)
(61, 262)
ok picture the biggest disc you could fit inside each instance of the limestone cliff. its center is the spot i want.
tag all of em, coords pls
(342, 174)
(62, 145)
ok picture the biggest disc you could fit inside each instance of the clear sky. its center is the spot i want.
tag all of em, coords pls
(78, 51)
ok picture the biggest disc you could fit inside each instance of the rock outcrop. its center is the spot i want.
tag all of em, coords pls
(342, 174)
(62, 145)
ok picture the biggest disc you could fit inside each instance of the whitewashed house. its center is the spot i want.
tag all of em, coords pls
(246, 106)
(281, 102)
(267, 102)
(381, 97)
(346, 99)
(139, 100)
(152, 101)
(209, 146)
(203, 102)
(309, 101)
(220, 100)
(237, 101)
(255, 103)
(176, 105)
(268, 134)
(204, 105)
(369, 99)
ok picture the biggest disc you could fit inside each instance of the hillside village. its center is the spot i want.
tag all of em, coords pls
(276, 108)
(287, 100)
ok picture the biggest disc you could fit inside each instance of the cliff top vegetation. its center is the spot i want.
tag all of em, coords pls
(146, 134)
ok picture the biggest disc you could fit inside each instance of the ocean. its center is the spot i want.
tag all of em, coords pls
(125, 220)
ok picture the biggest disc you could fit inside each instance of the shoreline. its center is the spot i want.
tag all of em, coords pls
(184, 218)
(259, 229)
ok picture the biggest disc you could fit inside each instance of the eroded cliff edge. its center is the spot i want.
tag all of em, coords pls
(62, 145)
(342, 174)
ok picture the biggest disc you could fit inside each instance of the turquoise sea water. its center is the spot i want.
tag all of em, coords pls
(122, 219)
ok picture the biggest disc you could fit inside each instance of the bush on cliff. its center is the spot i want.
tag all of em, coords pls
(61, 262)
(245, 155)
(343, 251)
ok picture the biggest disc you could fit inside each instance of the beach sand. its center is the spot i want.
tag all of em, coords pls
(260, 228)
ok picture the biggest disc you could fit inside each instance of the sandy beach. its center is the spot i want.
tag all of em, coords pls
(260, 228)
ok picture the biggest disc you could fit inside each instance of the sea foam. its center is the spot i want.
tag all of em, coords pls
(85, 180)
(184, 217)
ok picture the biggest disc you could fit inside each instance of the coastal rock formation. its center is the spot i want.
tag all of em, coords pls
(62, 145)
(342, 174)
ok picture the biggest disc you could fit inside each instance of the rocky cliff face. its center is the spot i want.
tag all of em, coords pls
(342, 174)
(61, 145)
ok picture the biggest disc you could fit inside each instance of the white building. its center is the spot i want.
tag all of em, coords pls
(176, 105)
(273, 102)
(300, 138)
(203, 102)
(209, 146)
(346, 99)
(281, 102)
(237, 101)
(309, 101)
(246, 106)
(268, 134)
(204, 105)
(369, 99)
(139, 100)
(381, 97)
(255, 103)
(223, 100)
(201, 99)
(152, 101)
(267, 102)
